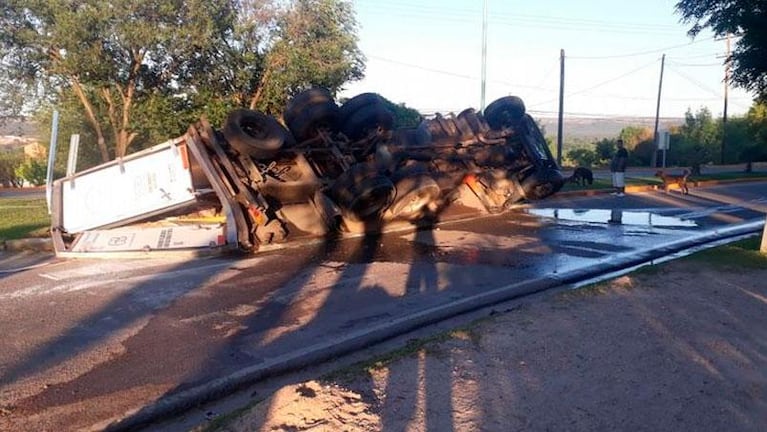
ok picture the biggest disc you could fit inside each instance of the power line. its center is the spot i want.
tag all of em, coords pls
(639, 53)
(696, 64)
(601, 83)
(695, 82)
(441, 11)
(704, 87)
(453, 74)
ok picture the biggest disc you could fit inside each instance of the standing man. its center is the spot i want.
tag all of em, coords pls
(618, 169)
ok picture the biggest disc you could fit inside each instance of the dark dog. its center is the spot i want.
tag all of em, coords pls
(581, 176)
(679, 180)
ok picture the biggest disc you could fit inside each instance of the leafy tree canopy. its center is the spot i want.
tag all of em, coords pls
(743, 18)
(136, 67)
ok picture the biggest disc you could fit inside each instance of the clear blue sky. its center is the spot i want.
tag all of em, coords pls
(427, 54)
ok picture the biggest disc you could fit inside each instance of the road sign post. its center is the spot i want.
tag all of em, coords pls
(663, 143)
(763, 248)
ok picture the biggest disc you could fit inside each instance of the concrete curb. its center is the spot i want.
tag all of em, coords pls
(323, 351)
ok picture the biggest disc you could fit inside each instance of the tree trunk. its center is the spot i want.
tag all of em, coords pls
(101, 142)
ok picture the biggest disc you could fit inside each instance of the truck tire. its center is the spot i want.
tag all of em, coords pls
(313, 117)
(504, 112)
(254, 134)
(356, 103)
(542, 183)
(414, 192)
(363, 191)
(366, 119)
(299, 102)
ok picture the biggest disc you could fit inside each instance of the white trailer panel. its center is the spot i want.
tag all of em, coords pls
(147, 182)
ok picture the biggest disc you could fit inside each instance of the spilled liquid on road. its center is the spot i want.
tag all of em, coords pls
(615, 216)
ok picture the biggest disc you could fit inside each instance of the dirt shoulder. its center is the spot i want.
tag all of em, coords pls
(677, 347)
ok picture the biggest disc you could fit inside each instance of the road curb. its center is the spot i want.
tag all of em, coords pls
(323, 351)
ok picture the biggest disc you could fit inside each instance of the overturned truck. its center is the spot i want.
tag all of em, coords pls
(256, 182)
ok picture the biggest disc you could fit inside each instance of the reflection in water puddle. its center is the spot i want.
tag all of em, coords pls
(615, 216)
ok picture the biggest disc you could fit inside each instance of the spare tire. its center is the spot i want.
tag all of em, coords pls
(313, 117)
(366, 119)
(299, 102)
(504, 112)
(254, 134)
(414, 192)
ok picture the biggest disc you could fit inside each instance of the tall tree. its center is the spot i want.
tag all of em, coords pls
(314, 44)
(109, 52)
(746, 19)
(141, 70)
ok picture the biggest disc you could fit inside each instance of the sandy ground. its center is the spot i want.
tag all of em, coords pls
(680, 348)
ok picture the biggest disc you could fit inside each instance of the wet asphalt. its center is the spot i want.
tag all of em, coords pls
(87, 341)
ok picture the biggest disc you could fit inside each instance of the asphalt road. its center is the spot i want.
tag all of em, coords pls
(87, 341)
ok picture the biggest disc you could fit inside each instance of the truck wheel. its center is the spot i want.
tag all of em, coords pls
(299, 102)
(356, 103)
(413, 194)
(254, 134)
(367, 119)
(542, 184)
(363, 191)
(504, 112)
(313, 117)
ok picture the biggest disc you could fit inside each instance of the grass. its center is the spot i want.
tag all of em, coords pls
(743, 254)
(23, 217)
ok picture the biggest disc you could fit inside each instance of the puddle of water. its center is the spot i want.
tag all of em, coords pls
(616, 216)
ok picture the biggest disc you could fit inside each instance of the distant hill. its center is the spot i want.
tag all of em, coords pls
(598, 128)
(17, 127)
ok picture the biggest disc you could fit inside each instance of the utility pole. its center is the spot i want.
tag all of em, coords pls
(657, 113)
(484, 55)
(726, 86)
(560, 124)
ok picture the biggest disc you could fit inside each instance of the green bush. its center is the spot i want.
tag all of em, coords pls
(32, 171)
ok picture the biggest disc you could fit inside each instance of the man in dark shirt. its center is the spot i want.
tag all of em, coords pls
(618, 169)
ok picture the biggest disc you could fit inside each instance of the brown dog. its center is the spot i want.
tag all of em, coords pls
(679, 180)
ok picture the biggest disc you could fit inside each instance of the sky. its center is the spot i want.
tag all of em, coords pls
(427, 54)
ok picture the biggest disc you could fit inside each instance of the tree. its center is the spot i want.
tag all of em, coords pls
(743, 18)
(605, 148)
(109, 52)
(33, 171)
(582, 157)
(639, 143)
(314, 44)
(404, 116)
(142, 70)
(9, 162)
(697, 141)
